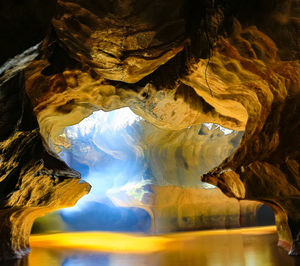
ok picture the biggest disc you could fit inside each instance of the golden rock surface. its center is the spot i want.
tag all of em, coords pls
(176, 64)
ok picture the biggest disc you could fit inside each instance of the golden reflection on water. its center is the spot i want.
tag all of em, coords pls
(237, 247)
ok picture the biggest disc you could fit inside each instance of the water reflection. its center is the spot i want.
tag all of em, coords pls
(244, 247)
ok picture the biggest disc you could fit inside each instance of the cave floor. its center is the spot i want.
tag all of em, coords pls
(237, 247)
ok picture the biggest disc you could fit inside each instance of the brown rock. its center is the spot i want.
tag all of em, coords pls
(175, 63)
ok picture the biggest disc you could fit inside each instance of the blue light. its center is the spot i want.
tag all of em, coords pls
(105, 149)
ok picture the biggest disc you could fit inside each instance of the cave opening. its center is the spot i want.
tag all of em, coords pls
(177, 64)
(147, 179)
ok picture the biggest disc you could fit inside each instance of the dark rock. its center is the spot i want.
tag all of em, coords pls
(236, 63)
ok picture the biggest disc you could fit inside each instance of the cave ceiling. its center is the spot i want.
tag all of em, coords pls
(174, 63)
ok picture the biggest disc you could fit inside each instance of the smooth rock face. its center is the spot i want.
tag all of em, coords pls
(175, 208)
(178, 157)
(176, 63)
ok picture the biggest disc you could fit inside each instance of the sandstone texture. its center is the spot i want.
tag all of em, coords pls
(176, 64)
(34, 181)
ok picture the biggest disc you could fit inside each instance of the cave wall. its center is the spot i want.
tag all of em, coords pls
(176, 63)
(179, 157)
(34, 181)
(175, 208)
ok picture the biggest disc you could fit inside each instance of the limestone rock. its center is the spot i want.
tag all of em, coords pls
(33, 180)
(177, 64)
(173, 208)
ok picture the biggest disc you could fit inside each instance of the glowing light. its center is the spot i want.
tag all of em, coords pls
(207, 185)
(103, 241)
(104, 141)
(210, 126)
(216, 247)
(133, 189)
(107, 122)
(105, 149)
(132, 243)
(108, 148)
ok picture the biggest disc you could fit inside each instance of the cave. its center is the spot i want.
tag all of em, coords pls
(127, 162)
(198, 106)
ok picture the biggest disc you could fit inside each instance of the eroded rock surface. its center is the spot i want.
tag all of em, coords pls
(178, 157)
(180, 63)
(33, 180)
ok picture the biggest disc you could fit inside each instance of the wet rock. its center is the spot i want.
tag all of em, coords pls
(33, 180)
(176, 64)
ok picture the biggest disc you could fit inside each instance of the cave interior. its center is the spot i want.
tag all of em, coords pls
(149, 117)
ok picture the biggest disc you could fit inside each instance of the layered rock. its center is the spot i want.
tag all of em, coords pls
(178, 157)
(235, 63)
(266, 164)
(33, 180)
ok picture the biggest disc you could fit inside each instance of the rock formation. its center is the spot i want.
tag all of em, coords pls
(34, 181)
(179, 157)
(176, 64)
(173, 208)
(139, 166)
